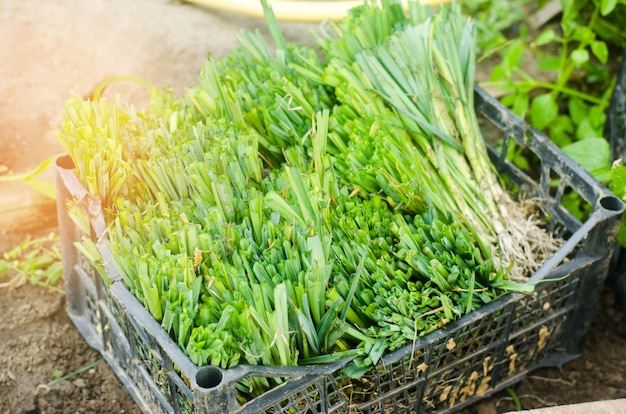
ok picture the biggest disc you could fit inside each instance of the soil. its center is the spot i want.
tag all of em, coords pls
(50, 50)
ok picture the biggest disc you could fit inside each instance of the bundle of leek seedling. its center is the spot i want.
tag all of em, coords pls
(406, 127)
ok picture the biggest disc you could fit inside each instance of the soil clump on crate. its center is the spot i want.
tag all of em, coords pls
(51, 50)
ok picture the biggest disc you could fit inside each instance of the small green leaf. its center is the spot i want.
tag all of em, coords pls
(607, 6)
(602, 174)
(586, 129)
(591, 153)
(600, 50)
(579, 57)
(592, 124)
(517, 159)
(508, 100)
(597, 116)
(550, 63)
(569, 26)
(573, 203)
(543, 110)
(618, 180)
(520, 104)
(578, 110)
(498, 74)
(597, 73)
(584, 34)
(43, 187)
(568, 8)
(545, 37)
(513, 55)
(561, 130)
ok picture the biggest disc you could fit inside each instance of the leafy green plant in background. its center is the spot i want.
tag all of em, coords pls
(36, 261)
(494, 20)
(561, 79)
(30, 178)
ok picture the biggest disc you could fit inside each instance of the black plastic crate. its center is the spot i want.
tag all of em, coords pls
(471, 358)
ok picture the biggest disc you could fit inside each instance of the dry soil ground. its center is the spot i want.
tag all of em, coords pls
(49, 50)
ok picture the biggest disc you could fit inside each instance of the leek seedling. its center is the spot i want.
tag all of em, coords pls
(406, 85)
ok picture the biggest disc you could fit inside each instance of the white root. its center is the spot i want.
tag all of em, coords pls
(521, 238)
